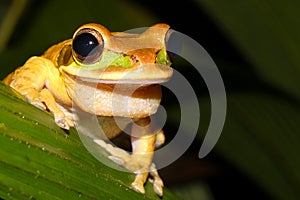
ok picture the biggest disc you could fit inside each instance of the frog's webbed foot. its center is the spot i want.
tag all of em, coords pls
(62, 121)
(138, 162)
(117, 155)
(44, 100)
(61, 115)
(123, 158)
(33, 81)
(155, 179)
(160, 138)
(157, 182)
(33, 97)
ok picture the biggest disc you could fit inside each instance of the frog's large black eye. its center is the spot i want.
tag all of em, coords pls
(87, 46)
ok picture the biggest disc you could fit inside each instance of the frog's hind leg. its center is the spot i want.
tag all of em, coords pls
(143, 146)
(142, 154)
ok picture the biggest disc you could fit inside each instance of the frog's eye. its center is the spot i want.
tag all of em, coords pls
(87, 46)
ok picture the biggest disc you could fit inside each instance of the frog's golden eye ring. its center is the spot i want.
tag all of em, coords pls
(87, 46)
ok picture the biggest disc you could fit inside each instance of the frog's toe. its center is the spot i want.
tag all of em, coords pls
(33, 97)
(36, 102)
(115, 152)
(157, 182)
(117, 160)
(158, 186)
(100, 142)
(138, 186)
(160, 138)
(39, 105)
(63, 122)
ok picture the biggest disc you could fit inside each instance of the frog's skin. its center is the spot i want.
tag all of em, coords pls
(67, 72)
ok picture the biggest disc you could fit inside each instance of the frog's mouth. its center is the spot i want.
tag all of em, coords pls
(139, 74)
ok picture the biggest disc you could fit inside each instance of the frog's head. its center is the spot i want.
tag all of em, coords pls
(99, 55)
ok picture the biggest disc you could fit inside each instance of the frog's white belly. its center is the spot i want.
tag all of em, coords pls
(121, 100)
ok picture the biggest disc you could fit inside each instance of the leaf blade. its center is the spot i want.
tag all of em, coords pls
(39, 160)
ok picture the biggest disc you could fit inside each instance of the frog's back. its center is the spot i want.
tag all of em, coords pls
(59, 54)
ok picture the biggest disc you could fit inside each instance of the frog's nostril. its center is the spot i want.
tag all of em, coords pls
(133, 58)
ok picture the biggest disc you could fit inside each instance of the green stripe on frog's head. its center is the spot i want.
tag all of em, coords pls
(108, 59)
(162, 58)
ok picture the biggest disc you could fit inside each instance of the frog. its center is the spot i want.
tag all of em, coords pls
(96, 59)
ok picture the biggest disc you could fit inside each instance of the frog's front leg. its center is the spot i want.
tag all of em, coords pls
(143, 146)
(144, 141)
(38, 80)
(140, 161)
(61, 116)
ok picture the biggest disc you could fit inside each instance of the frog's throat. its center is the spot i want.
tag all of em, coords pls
(130, 101)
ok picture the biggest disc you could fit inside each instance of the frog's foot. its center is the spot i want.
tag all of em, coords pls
(134, 163)
(138, 164)
(141, 177)
(138, 183)
(160, 138)
(157, 182)
(61, 115)
(155, 179)
(62, 121)
(33, 97)
(38, 104)
(117, 155)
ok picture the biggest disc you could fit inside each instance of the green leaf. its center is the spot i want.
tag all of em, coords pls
(39, 160)
(266, 33)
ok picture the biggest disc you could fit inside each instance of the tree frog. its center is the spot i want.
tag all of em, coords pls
(64, 75)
